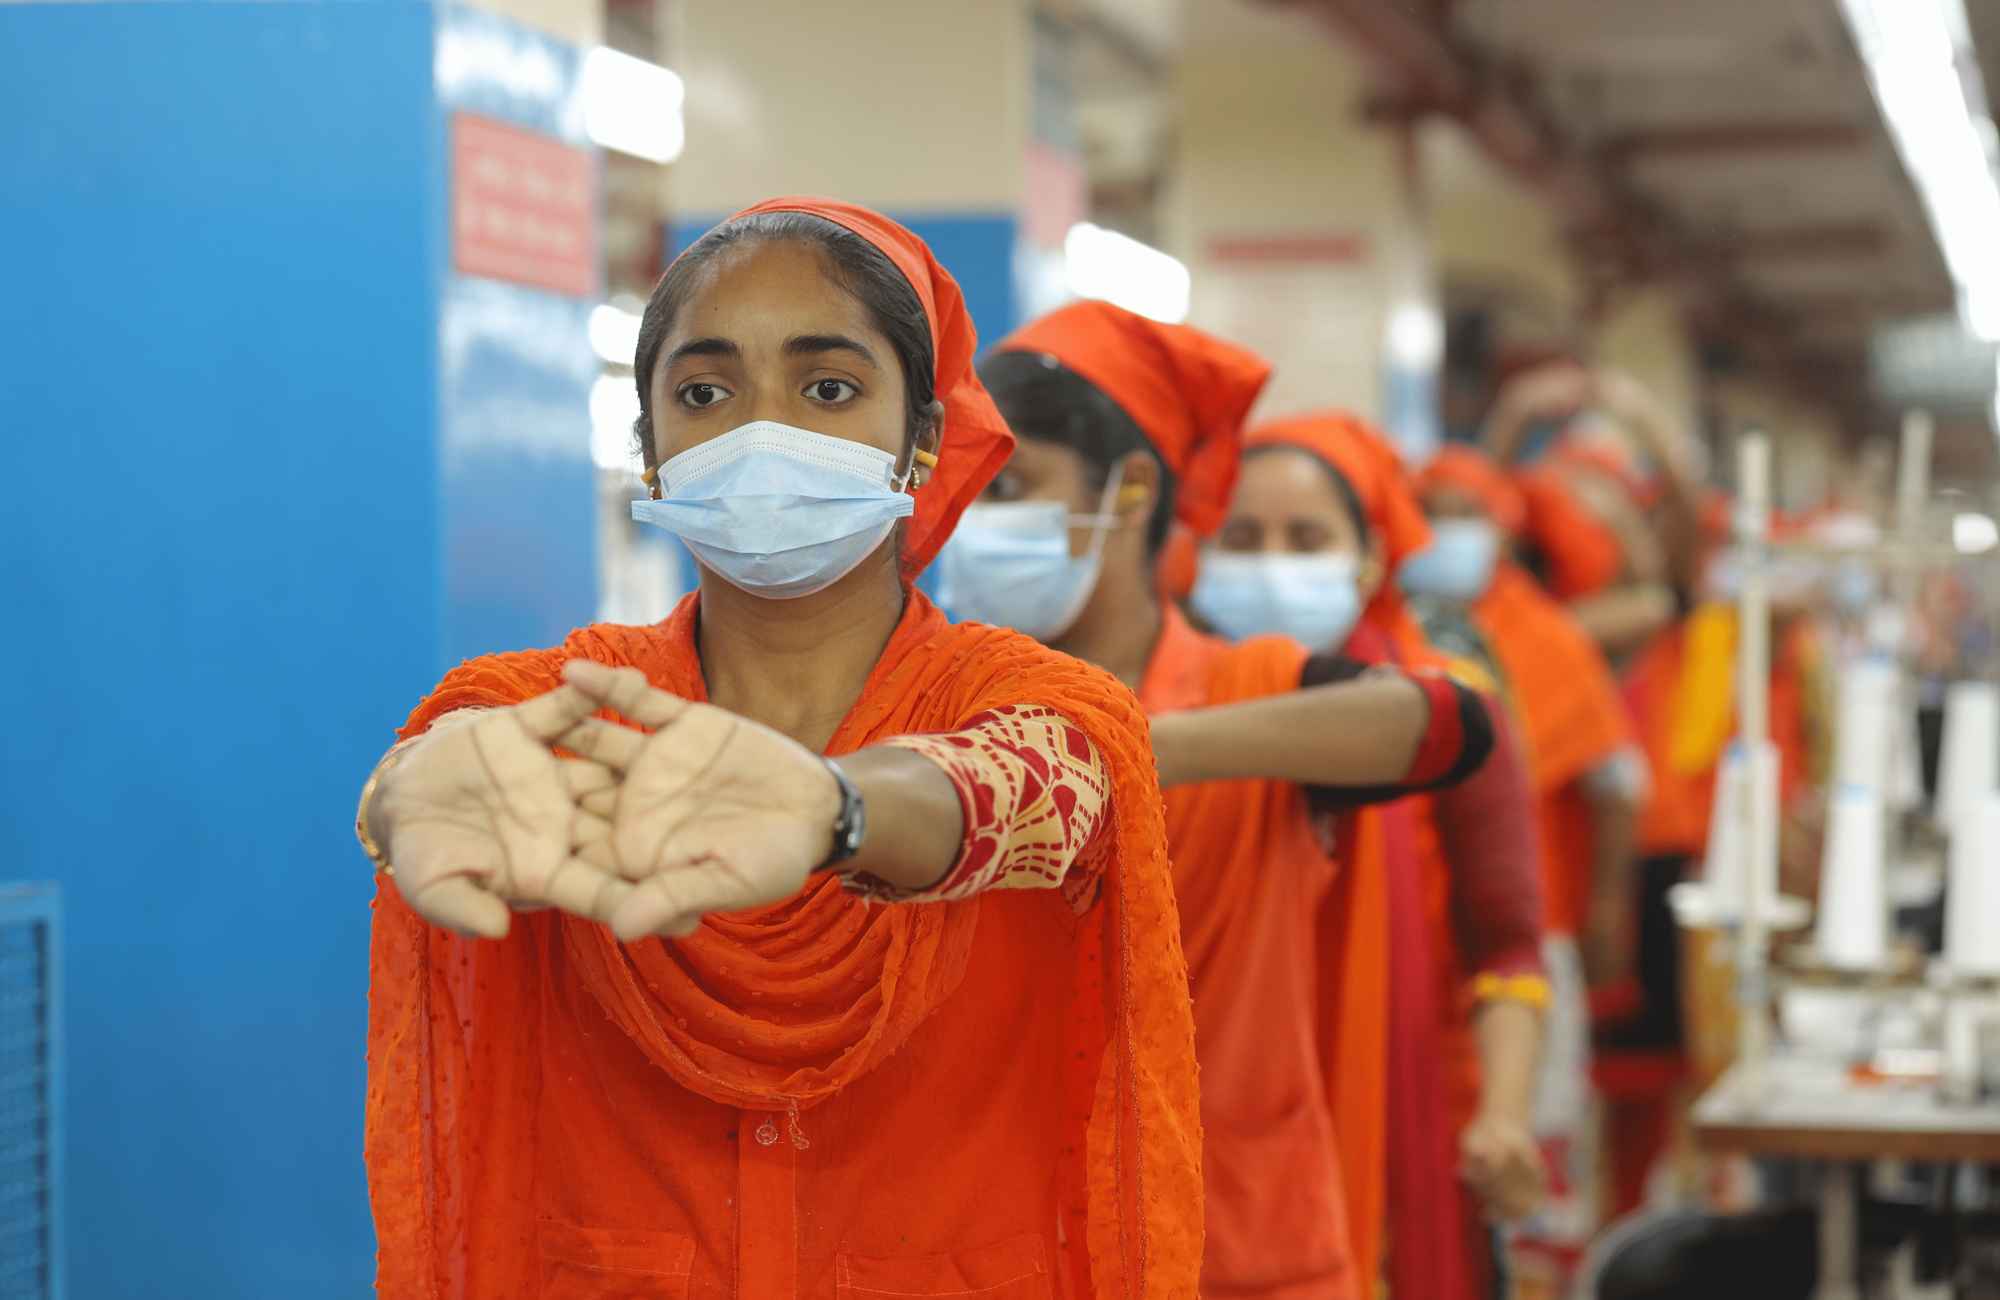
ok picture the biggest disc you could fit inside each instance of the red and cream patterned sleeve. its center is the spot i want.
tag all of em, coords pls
(1036, 800)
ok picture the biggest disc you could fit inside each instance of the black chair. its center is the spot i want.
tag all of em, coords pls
(1678, 1255)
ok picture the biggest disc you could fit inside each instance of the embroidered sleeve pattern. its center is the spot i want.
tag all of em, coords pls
(1036, 798)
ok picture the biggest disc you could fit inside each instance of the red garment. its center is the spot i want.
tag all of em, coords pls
(974, 442)
(821, 1097)
(1252, 875)
(1188, 391)
(1575, 719)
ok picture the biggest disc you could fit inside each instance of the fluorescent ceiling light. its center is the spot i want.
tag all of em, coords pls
(1974, 534)
(633, 106)
(1102, 263)
(1920, 64)
(614, 334)
(1416, 336)
(614, 406)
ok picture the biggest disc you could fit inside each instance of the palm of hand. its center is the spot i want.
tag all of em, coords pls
(483, 815)
(716, 793)
(711, 813)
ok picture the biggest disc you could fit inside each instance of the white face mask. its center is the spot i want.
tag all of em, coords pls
(1009, 564)
(1458, 563)
(779, 511)
(1313, 599)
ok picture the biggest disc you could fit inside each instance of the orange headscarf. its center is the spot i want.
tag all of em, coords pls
(1474, 473)
(1583, 553)
(975, 441)
(1189, 392)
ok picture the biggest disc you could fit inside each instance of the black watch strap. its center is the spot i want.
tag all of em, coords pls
(850, 825)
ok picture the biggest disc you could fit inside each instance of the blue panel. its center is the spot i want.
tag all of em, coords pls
(218, 320)
(977, 248)
(519, 504)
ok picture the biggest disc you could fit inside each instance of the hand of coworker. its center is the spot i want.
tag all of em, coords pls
(480, 815)
(1502, 1164)
(1549, 391)
(710, 812)
(1606, 941)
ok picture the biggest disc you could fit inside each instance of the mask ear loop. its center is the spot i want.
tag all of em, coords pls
(1106, 517)
(651, 478)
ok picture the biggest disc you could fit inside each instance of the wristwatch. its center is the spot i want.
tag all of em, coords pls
(850, 825)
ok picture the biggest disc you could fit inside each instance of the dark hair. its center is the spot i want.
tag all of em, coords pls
(1048, 402)
(1350, 499)
(860, 267)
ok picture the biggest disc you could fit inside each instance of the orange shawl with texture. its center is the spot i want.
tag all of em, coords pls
(804, 1004)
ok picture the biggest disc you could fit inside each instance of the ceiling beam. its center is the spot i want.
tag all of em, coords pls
(1428, 71)
(1729, 140)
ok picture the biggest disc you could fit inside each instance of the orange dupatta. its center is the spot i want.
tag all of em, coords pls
(785, 1009)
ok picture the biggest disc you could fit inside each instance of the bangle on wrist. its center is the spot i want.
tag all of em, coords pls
(368, 791)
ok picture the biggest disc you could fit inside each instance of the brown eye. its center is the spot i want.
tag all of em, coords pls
(698, 396)
(832, 392)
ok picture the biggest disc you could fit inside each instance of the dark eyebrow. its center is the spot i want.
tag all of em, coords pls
(805, 345)
(710, 347)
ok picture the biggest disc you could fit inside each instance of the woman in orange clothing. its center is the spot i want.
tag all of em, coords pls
(1127, 427)
(1321, 519)
(912, 1020)
(1589, 782)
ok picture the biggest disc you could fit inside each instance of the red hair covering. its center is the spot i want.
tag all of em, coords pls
(975, 442)
(1189, 392)
(1364, 456)
(1584, 555)
(1474, 473)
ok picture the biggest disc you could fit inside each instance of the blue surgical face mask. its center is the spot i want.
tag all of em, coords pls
(779, 511)
(1457, 565)
(1008, 563)
(1314, 599)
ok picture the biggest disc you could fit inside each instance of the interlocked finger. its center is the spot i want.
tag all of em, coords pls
(581, 888)
(673, 900)
(549, 715)
(583, 778)
(459, 903)
(607, 743)
(625, 691)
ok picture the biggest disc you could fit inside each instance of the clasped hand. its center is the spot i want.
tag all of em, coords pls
(543, 804)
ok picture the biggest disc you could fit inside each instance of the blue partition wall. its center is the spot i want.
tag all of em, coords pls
(251, 516)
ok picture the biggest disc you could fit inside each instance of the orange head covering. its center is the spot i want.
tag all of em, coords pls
(975, 442)
(1584, 555)
(1188, 392)
(1474, 473)
(1364, 456)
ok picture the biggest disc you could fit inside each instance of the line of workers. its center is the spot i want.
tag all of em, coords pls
(1252, 889)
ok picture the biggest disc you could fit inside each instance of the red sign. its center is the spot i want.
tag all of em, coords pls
(523, 207)
(1300, 246)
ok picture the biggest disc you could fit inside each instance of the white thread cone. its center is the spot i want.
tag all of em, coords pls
(1972, 903)
(1969, 758)
(1853, 930)
(1727, 864)
(1865, 730)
